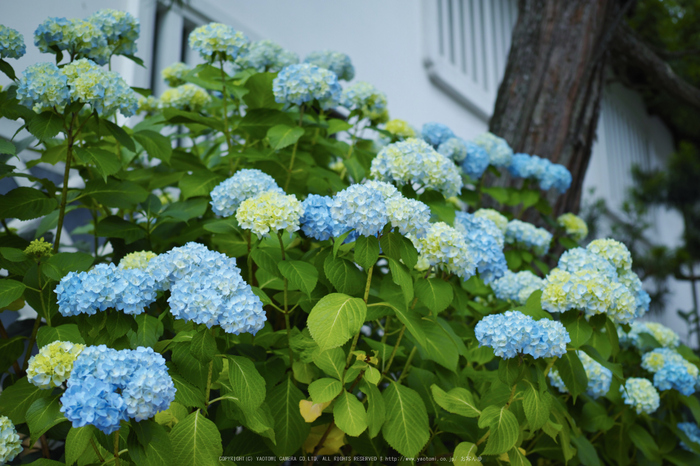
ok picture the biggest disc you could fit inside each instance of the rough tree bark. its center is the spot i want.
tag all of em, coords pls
(549, 100)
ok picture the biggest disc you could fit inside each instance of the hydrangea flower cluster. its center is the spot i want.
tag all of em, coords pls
(692, 431)
(500, 153)
(613, 251)
(108, 386)
(43, 86)
(671, 370)
(641, 395)
(10, 443)
(147, 104)
(266, 55)
(454, 148)
(301, 83)
(414, 161)
(513, 332)
(53, 365)
(244, 184)
(517, 287)
(316, 222)
(137, 260)
(436, 133)
(11, 43)
(529, 236)
(495, 216)
(665, 336)
(410, 216)
(445, 248)
(476, 162)
(400, 129)
(185, 97)
(39, 248)
(548, 174)
(361, 208)
(367, 99)
(268, 212)
(121, 29)
(173, 74)
(573, 225)
(216, 41)
(337, 62)
(485, 240)
(599, 377)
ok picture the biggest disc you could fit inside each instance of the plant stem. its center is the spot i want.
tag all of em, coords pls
(211, 370)
(368, 283)
(393, 352)
(404, 371)
(116, 448)
(45, 447)
(97, 452)
(64, 192)
(483, 439)
(386, 329)
(294, 151)
(227, 133)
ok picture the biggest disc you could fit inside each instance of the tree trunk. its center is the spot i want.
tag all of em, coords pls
(549, 100)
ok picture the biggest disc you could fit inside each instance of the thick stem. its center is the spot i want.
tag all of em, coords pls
(64, 192)
(44, 447)
(116, 448)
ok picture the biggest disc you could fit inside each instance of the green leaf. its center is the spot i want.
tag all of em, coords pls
(439, 347)
(406, 427)
(77, 441)
(615, 368)
(246, 382)
(107, 163)
(510, 371)
(594, 418)
(261, 95)
(335, 319)
(16, 399)
(349, 414)
(457, 401)
(517, 458)
(65, 332)
(155, 144)
(26, 204)
(344, 275)
(119, 134)
(174, 115)
(578, 327)
(10, 291)
(436, 294)
(114, 193)
(587, 453)
(203, 346)
(301, 275)
(184, 211)
(155, 450)
(366, 251)
(324, 390)
(402, 277)
(6, 68)
(411, 319)
(504, 429)
(150, 329)
(465, 455)
(533, 307)
(391, 245)
(10, 351)
(290, 428)
(376, 409)
(335, 125)
(45, 125)
(281, 136)
(198, 183)
(643, 440)
(42, 415)
(187, 394)
(331, 361)
(117, 227)
(196, 442)
(6, 147)
(58, 265)
(537, 406)
(572, 373)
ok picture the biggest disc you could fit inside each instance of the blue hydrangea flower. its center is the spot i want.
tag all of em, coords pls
(557, 177)
(634, 284)
(485, 241)
(665, 336)
(415, 161)
(500, 220)
(42, 86)
(517, 287)
(121, 29)
(476, 162)
(244, 184)
(367, 99)
(266, 55)
(107, 386)
(10, 443)
(446, 248)
(671, 370)
(692, 431)
(11, 43)
(316, 222)
(410, 216)
(78, 37)
(87, 292)
(337, 62)
(500, 153)
(613, 251)
(641, 395)
(270, 212)
(298, 84)
(576, 259)
(53, 32)
(436, 133)
(513, 332)
(361, 208)
(454, 148)
(216, 41)
(599, 377)
(528, 236)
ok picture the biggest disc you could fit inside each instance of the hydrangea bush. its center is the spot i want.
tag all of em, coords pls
(272, 270)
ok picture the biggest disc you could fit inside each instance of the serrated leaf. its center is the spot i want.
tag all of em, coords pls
(335, 319)
(643, 440)
(504, 429)
(184, 211)
(465, 455)
(119, 134)
(199, 183)
(537, 406)
(578, 327)
(281, 136)
(586, 451)
(391, 245)
(517, 458)
(16, 399)
(155, 144)
(6, 147)
(510, 371)
(301, 275)
(324, 390)
(331, 361)
(376, 409)
(406, 427)
(290, 428)
(77, 441)
(42, 415)
(107, 163)
(45, 125)
(196, 441)
(439, 347)
(58, 265)
(203, 346)
(114, 193)
(187, 394)
(157, 450)
(344, 275)
(149, 330)
(349, 414)
(411, 319)
(436, 294)
(26, 204)
(10, 291)
(366, 251)
(457, 401)
(65, 332)
(402, 277)
(246, 382)
(117, 227)
(615, 368)
(572, 373)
